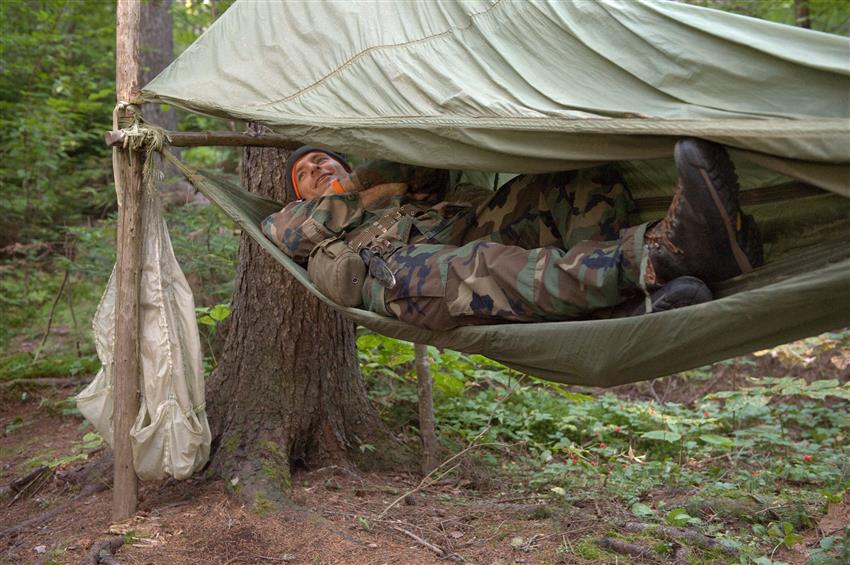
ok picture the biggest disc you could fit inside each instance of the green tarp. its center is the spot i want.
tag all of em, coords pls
(526, 86)
(511, 86)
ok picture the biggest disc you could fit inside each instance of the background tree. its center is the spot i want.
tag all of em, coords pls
(157, 52)
(287, 391)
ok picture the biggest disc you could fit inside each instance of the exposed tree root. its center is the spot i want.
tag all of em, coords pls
(88, 490)
(626, 548)
(680, 556)
(94, 477)
(680, 534)
(103, 551)
(28, 484)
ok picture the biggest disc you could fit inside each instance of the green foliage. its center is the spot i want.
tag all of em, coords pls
(79, 451)
(830, 16)
(55, 101)
(20, 366)
(759, 464)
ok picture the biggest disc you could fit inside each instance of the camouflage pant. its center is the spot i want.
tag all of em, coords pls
(542, 248)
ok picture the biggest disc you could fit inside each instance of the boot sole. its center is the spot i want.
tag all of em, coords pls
(708, 172)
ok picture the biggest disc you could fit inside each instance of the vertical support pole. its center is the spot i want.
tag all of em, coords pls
(128, 167)
(427, 432)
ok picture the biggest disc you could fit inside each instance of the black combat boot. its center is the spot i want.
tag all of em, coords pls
(678, 293)
(704, 234)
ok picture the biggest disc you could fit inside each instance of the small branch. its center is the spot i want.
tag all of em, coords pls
(438, 550)
(103, 551)
(626, 548)
(50, 317)
(471, 445)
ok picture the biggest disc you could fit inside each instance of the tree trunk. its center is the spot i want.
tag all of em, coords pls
(801, 13)
(287, 392)
(157, 53)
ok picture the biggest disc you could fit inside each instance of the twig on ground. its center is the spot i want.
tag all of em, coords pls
(436, 549)
(103, 551)
(472, 444)
(334, 469)
(626, 548)
(52, 382)
(680, 534)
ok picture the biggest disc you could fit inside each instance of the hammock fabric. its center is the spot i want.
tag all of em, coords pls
(536, 86)
(807, 293)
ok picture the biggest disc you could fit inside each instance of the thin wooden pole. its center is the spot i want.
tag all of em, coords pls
(430, 447)
(128, 167)
(115, 138)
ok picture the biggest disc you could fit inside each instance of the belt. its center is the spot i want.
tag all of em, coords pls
(374, 248)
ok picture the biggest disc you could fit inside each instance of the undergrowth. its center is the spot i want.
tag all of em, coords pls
(753, 466)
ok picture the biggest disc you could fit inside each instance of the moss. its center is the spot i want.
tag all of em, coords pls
(540, 513)
(587, 549)
(274, 464)
(21, 366)
(700, 556)
(262, 505)
(230, 443)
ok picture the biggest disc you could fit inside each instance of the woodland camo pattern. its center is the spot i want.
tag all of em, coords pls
(543, 247)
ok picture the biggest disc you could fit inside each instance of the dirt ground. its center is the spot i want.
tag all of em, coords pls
(336, 515)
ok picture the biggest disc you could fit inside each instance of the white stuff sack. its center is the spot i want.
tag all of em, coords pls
(171, 436)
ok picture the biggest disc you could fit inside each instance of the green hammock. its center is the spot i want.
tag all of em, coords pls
(802, 293)
(547, 85)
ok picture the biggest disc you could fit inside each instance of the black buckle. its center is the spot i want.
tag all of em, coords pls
(378, 268)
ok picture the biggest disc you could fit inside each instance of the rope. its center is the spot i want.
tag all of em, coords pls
(150, 138)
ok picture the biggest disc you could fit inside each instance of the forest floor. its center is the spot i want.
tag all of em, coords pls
(480, 513)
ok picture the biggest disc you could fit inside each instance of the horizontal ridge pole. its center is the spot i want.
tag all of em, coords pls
(115, 138)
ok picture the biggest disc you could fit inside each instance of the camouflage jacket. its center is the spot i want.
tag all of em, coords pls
(303, 224)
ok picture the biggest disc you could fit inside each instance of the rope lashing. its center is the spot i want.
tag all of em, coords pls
(142, 136)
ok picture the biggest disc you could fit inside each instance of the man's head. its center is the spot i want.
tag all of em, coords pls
(310, 171)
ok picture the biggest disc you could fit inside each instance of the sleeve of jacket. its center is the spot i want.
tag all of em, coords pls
(419, 179)
(303, 224)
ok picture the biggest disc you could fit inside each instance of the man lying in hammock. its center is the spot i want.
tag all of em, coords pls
(545, 247)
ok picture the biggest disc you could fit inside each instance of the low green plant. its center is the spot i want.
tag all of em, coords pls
(759, 464)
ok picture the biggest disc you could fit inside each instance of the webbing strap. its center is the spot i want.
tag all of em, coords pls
(372, 233)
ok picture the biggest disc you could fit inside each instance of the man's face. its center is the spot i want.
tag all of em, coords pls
(314, 172)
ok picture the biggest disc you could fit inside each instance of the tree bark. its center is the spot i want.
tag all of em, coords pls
(157, 53)
(127, 166)
(287, 392)
(801, 13)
